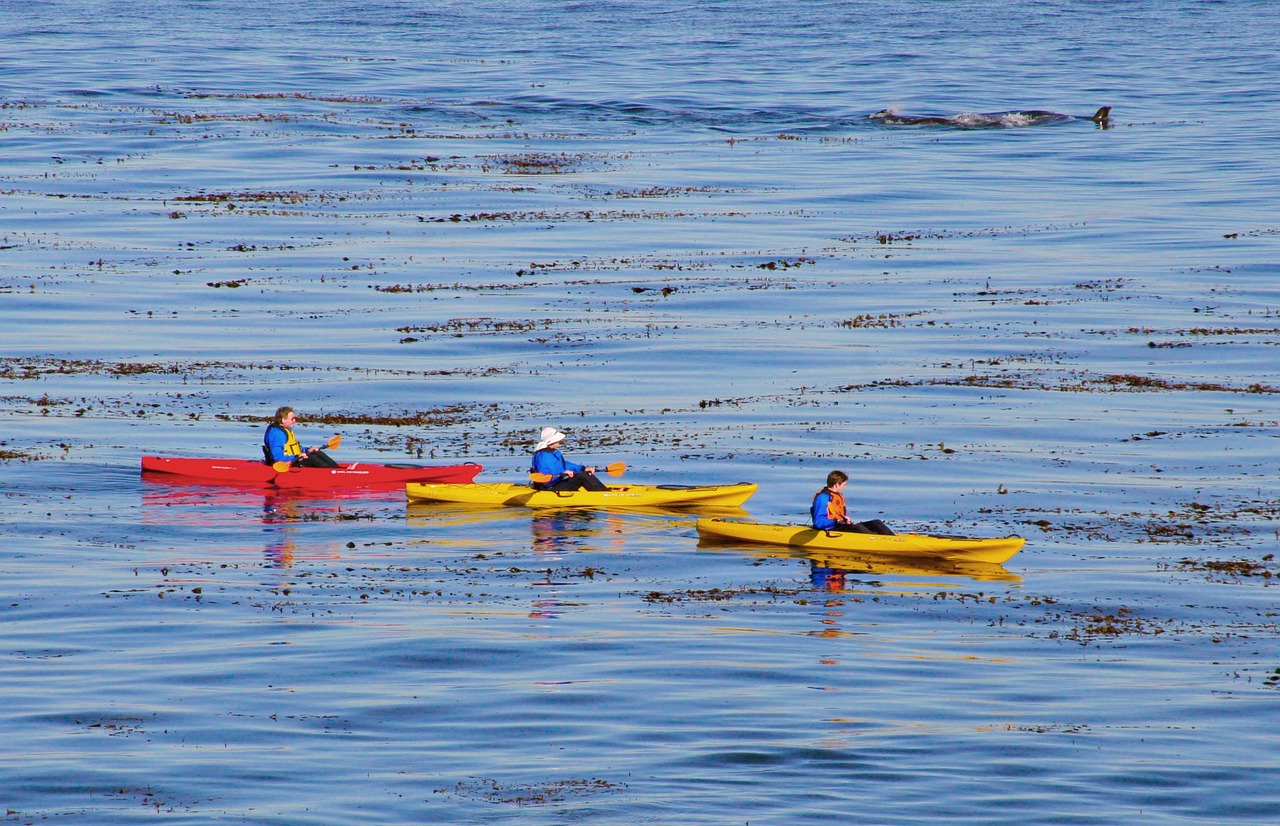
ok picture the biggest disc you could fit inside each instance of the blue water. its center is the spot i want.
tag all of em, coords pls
(672, 231)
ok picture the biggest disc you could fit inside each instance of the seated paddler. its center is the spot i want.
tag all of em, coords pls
(550, 470)
(280, 445)
(828, 509)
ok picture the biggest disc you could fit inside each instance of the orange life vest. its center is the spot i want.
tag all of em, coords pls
(835, 505)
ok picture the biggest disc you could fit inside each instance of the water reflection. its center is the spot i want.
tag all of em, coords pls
(212, 507)
(838, 571)
(280, 512)
(463, 528)
(555, 538)
(166, 493)
(547, 608)
(164, 502)
(826, 579)
(841, 575)
(551, 601)
(831, 570)
(558, 531)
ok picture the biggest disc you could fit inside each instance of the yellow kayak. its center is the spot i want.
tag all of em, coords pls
(955, 548)
(617, 496)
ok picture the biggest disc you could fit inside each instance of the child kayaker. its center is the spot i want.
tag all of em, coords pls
(565, 475)
(828, 510)
(280, 445)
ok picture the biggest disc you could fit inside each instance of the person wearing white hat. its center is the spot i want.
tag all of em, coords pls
(548, 461)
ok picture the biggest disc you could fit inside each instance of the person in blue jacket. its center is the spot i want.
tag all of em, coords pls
(280, 445)
(565, 475)
(828, 509)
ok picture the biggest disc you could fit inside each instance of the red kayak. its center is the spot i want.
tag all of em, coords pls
(345, 475)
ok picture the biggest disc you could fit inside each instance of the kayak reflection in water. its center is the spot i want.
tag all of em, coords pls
(829, 513)
(280, 445)
(565, 475)
(826, 578)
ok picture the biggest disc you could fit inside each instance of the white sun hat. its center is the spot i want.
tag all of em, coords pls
(548, 436)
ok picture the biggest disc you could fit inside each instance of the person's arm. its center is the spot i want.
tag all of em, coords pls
(821, 520)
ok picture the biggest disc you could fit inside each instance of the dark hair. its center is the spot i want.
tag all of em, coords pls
(280, 414)
(835, 477)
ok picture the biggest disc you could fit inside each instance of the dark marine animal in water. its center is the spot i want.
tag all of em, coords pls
(990, 120)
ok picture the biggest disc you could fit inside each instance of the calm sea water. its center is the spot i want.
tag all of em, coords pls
(671, 230)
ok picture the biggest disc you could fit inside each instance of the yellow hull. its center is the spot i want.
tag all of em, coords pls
(617, 496)
(953, 548)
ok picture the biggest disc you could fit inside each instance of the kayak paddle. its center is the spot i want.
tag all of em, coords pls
(283, 467)
(615, 469)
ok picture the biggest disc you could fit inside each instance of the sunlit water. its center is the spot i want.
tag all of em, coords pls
(671, 230)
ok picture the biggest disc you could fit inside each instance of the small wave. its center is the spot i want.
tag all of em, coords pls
(974, 120)
(556, 113)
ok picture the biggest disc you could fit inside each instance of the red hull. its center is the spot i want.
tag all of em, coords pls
(347, 475)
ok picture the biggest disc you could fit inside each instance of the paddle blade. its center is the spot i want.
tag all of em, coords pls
(281, 467)
(334, 441)
(539, 478)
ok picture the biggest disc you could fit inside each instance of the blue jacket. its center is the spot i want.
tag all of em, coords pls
(553, 463)
(280, 445)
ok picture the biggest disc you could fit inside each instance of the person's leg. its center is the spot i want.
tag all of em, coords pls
(876, 526)
(591, 482)
(318, 459)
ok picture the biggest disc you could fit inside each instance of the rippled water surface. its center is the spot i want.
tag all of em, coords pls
(673, 231)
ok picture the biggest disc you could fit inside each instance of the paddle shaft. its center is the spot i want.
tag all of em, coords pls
(614, 469)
